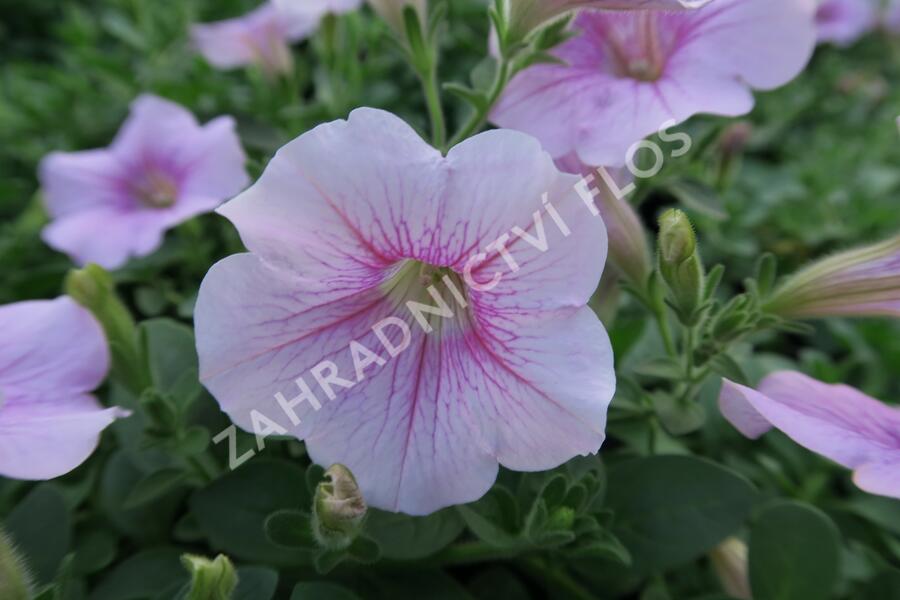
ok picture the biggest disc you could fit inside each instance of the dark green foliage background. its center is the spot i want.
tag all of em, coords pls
(821, 171)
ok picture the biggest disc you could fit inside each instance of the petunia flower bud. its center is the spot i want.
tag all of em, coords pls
(93, 288)
(210, 579)
(15, 580)
(679, 261)
(628, 245)
(729, 560)
(860, 282)
(338, 508)
(392, 11)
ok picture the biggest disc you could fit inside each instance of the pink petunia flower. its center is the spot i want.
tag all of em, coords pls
(53, 353)
(162, 169)
(525, 15)
(836, 421)
(415, 317)
(630, 74)
(859, 282)
(263, 36)
(842, 22)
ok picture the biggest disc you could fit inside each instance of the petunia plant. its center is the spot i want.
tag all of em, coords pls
(470, 299)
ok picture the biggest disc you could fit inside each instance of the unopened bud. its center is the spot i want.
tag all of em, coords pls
(734, 139)
(679, 261)
(563, 518)
(93, 288)
(860, 282)
(210, 579)
(15, 580)
(628, 245)
(338, 508)
(391, 11)
(729, 560)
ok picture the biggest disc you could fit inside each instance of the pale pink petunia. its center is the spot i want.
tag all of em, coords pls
(526, 15)
(263, 36)
(630, 74)
(842, 22)
(162, 168)
(52, 355)
(350, 223)
(836, 421)
(858, 282)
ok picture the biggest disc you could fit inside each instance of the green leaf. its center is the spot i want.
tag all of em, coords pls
(172, 357)
(95, 549)
(256, 583)
(148, 523)
(698, 197)
(672, 509)
(794, 553)
(319, 590)
(291, 529)
(602, 545)
(41, 526)
(364, 550)
(233, 509)
(402, 537)
(153, 486)
(727, 367)
(143, 575)
(883, 586)
(493, 518)
(326, 560)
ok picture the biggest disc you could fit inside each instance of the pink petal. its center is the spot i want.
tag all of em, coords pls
(73, 182)
(214, 162)
(835, 421)
(765, 43)
(47, 440)
(39, 354)
(881, 477)
(55, 353)
(842, 22)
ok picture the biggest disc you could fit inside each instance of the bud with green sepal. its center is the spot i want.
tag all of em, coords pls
(338, 509)
(15, 580)
(93, 288)
(210, 579)
(680, 265)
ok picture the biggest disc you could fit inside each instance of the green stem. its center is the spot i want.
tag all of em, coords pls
(468, 553)
(480, 115)
(665, 332)
(435, 108)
